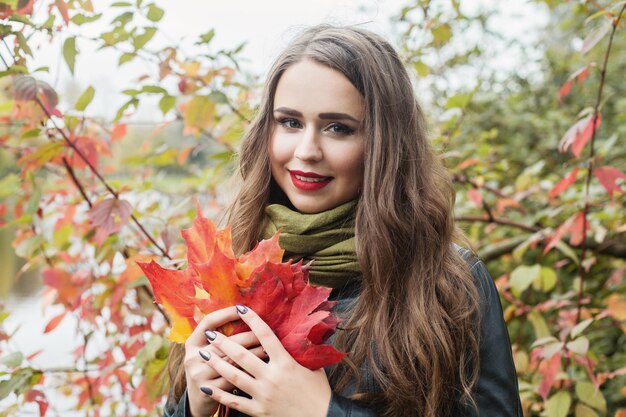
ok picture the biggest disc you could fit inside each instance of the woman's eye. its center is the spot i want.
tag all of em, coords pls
(340, 129)
(289, 123)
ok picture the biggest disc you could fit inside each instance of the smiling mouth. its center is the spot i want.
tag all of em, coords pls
(309, 181)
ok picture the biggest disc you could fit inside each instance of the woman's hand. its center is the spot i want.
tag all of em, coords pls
(281, 387)
(197, 372)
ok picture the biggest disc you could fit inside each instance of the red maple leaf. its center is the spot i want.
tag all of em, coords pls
(109, 216)
(279, 292)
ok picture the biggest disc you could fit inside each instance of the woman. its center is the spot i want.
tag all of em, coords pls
(338, 158)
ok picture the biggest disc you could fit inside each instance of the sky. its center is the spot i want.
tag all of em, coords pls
(266, 26)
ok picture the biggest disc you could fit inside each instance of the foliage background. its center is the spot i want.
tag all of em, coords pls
(83, 198)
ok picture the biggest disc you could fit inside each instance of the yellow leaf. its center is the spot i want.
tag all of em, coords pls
(181, 328)
(588, 394)
(198, 114)
(580, 345)
(584, 411)
(539, 324)
(558, 405)
(522, 277)
(191, 68)
(616, 306)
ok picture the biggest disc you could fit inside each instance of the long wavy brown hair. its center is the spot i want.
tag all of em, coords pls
(415, 323)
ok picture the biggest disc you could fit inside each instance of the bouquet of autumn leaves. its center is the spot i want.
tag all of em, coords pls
(279, 292)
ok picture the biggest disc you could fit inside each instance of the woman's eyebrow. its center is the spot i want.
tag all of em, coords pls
(334, 116)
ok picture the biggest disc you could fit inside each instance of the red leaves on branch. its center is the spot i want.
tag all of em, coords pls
(118, 132)
(549, 369)
(279, 292)
(69, 287)
(27, 90)
(475, 197)
(3, 213)
(608, 177)
(91, 148)
(579, 134)
(54, 322)
(574, 225)
(24, 7)
(109, 216)
(577, 229)
(64, 10)
(577, 77)
(564, 184)
(38, 397)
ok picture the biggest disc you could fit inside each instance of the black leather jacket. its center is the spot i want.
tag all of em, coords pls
(496, 392)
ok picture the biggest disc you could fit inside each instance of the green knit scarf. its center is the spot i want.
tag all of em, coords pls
(327, 238)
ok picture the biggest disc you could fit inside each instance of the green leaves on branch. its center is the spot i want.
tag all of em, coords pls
(85, 98)
(596, 35)
(442, 33)
(167, 103)
(69, 53)
(81, 19)
(591, 396)
(558, 405)
(206, 37)
(522, 277)
(11, 3)
(19, 381)
(542, 278)
(198, 114)
(12, 360)
(140, 40)
(155, 13)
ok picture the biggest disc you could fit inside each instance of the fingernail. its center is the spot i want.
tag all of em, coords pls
(241, 309)
(204, 354)
(206, 390)
(211, 335)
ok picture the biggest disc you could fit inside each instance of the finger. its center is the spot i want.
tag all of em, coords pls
(245, 339)
(235, 376)
(236, 402)
(268, 339)
(242, 356)
(211, 321)
(259, 353)
(221, 383)
(206, 353)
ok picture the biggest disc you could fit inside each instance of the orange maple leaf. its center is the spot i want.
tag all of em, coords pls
(277, 291)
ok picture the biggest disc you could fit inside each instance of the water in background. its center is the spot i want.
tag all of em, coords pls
(21, 297)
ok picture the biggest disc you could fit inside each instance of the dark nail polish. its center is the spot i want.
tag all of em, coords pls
(241, 309)
(204, 354)
(206, 390)
(211, 335)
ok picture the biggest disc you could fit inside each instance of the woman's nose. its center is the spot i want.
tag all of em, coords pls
(308, 148)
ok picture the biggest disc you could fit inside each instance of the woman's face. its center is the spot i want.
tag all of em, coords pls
(316, 149)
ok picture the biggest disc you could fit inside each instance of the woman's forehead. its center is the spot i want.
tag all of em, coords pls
(310, 87)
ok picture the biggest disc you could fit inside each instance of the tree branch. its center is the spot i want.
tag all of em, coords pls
(494, 251)
(496, 220)
(104, 182)
(581, 268)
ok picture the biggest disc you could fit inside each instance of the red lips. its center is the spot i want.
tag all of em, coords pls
(309, 181)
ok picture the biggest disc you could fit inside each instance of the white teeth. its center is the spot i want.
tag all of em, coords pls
(309, 179)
